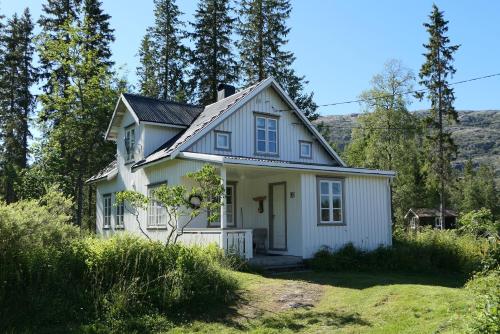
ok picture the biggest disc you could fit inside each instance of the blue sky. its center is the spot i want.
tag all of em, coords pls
(340, 45)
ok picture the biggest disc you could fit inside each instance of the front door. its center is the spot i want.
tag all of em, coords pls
(277, 216)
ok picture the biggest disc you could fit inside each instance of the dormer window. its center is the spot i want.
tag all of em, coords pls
(129, 144)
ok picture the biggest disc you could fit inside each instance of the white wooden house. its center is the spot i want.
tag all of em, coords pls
(286, 187)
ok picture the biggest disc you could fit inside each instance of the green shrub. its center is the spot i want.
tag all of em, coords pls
(54, 275)
(427, 251)
(479, 223)
(485, 288)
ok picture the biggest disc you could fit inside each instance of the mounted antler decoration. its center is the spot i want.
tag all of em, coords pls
(260, 199)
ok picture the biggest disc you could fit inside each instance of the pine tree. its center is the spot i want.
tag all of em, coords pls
(166, 38)
(434, 75)
(18, 75)
(264, 32)
(213, 58)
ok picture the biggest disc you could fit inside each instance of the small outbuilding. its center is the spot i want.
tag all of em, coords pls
(430, 217)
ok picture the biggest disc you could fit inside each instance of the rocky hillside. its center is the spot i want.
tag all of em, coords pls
(477, 135)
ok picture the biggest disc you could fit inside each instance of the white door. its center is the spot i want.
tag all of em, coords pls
(277, 216)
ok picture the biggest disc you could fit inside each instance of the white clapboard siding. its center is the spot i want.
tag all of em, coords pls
(367, 215)
(241, 125)
(156, 135)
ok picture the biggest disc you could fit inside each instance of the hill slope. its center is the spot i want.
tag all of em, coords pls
(477, 135)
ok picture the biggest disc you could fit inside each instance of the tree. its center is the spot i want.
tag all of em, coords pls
(18, 75)
(387, 134)
(100, 33)
(180, 210)
(434, 75)
(213, 58)
(164, 43)
(74, 146)
(264, 32)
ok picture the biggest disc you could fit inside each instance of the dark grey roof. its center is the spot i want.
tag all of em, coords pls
(430, 212)
(210, 113)
(102, 174)
(161, 111)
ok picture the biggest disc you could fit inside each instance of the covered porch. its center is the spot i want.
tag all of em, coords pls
(260, 214)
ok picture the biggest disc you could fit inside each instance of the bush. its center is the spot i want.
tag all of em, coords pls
(485, 288)
(479, 223)
(427, 251)
(54, 275)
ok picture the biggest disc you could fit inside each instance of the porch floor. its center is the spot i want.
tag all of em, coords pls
(276, 261)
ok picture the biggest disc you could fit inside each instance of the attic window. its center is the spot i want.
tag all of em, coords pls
(305, 149)
(129, 144)
(266, 135)
(223, 140)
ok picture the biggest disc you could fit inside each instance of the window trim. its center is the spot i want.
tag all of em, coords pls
(216, 146)
(150, 226)
(128, 129)
(266, 153)
(310, 156)
(122, 225)
(104, 198)
(216, 224)
(340, 180)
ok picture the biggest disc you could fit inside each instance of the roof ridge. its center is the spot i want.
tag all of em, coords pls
(238, 92)
(161, 100)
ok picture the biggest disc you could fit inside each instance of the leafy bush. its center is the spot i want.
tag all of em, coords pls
(485, 287)
(427, 251)
(479, 223)
(52, 274)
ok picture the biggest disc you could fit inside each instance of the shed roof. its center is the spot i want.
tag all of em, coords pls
(104, 173)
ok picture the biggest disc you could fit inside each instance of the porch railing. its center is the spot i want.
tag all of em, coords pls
(236, 241)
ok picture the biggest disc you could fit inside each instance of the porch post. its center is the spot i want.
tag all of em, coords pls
(223, 222)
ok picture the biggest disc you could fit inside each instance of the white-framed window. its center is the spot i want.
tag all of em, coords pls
(120, 215)
(331, 198)
(266, 135)
(223, 140)
(129, 144)
(305, 149)
(230, 207)
(106, 210)
(157, 214)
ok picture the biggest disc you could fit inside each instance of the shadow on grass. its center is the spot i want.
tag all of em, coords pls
(364, 280)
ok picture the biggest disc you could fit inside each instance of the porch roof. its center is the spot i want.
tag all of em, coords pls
(281, 164)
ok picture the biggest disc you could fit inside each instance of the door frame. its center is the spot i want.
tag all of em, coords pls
(271, 221)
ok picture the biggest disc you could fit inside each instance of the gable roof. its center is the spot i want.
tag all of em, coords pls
(215, 113)
(150, 110)
(431, 212)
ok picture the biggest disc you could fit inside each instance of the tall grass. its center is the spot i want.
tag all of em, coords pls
(427, 251)
(51, 274)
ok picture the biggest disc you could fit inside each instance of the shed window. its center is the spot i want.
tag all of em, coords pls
(106, 210)
(120, 215)
(266, 134)
(330, 194)
(222, 140)
(305, 149)
(157, 214)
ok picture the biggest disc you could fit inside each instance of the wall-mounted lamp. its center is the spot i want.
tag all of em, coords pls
(260, 199)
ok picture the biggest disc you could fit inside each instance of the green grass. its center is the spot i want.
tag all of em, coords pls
(346, 303)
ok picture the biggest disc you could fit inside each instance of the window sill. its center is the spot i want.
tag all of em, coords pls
(156, 227)
(332, 224)
(264, 154)
(121, 227)
(129, 162)
(106, 227)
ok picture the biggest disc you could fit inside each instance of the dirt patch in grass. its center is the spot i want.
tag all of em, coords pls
(277, 296)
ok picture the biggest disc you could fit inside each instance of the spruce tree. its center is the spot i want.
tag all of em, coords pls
(148, 70)
(213, 58)
(263, 31)
(16, 103)
(434, 75)
(166, 38)
(101, 34)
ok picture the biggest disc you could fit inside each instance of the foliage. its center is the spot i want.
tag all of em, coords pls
(434, 75)
(213, 58)
(486, 291)
(52, 275)
(479, 223)
(175, 200)
(427, 251)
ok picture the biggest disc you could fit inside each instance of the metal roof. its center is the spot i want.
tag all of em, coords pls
(431, 212)
(161, 111)
(103, 173)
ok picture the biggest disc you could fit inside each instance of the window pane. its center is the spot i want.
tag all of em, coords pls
(222, 140)
(261, 146)
(305, 149)
(337, 215)
(261, 134)
(272, 135)
(271, 124)
(336, 202)
(261, 122)
(325, 215)
(336, 188)
(324, 188)
(272, 147)
(325, 202)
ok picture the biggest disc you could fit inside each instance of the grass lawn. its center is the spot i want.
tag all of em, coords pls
(312, 302)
